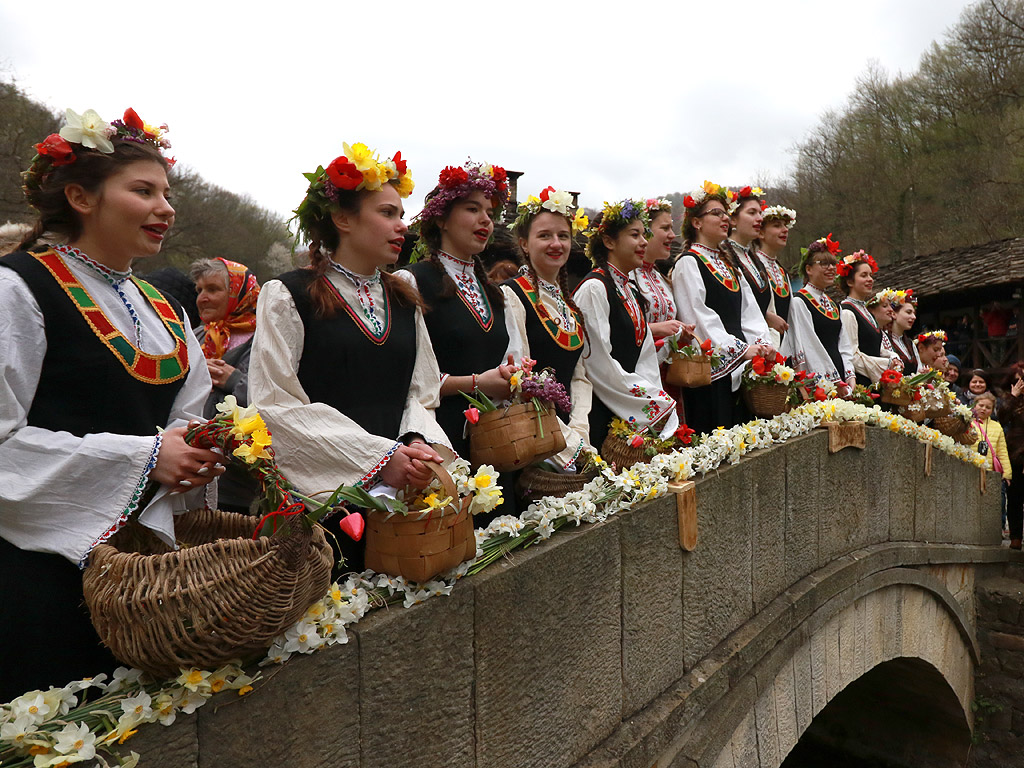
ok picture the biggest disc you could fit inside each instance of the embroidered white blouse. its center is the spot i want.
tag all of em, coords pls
(636, 395)
(64, 494)
(804, 346)
(317, 447)
(577, 431)
(657, 290)
(866, 365)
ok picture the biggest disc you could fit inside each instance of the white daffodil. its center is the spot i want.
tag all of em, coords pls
(18, 730)
(88, 129)
(302, 638)
(76, 741)
(196, 680)
(124, 676)
(559, 201)
(60, 700)
(32, 705)
(138, 706)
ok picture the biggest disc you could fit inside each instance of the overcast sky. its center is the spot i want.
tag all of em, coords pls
(588, 97)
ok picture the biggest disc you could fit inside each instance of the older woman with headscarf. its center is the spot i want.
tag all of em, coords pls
(227, 306)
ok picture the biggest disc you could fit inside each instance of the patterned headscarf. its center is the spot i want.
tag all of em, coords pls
(241, 315)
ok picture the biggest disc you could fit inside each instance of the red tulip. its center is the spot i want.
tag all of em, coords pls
(636, 441)
(472, 415)
(352, 524)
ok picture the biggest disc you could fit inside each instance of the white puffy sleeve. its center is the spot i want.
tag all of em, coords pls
(636, 395)
(317, 447)
(865, 365)
(424, 391)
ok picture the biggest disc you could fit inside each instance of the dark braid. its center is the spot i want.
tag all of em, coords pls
(448, 288)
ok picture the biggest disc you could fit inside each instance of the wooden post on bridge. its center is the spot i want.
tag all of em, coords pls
(686, 510)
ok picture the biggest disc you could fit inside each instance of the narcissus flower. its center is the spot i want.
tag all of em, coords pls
(88, 129)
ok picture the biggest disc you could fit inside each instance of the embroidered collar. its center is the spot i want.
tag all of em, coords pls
(456, 263)
(776, 275)
(565, 330)
(112, 276)
(716, 265)
(663, 306)
(820, 301)
(621, 281)
(471, 292)
(861, 308)
(748, 265)
(372, 327)
(355, 278)
(363, 285)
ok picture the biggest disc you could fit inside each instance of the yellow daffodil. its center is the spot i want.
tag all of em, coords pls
(580, 221)
(405, 185)
(360, 156)
(257, 448)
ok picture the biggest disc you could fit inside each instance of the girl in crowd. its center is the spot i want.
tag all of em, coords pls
(328, 334)
(227, 293)
(931, 350)
(977, 384)
(654, 287)
(776, 221)
(816, 339)
(990, 432)
(469, 330)
(855, 280)
(93, 362)
(548, 320)
(904, 305)
(711, 295)
(622, 364)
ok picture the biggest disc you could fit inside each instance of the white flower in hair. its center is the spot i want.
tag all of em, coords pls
(559, 202)
(88, 129)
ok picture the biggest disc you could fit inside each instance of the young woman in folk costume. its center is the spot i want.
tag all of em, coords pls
(776, 221)
(904, 305)
(745, 212)
(465, 313)
(854, 277)
(342, 368)
(656, 290)
(816, 340)
(622, 363)
(94, 362)
(550, 324)
(711, 295)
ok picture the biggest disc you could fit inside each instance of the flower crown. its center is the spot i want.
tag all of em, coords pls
(457, 182)
(886, 294)
(697, 197)
(848, 263)
(747, 191)
(656, 205)
(623, 211)
(90, 131)
(554, 201)
(825, 243)
(903, 297)
(779, 212)
(359, 168)
(923, 337)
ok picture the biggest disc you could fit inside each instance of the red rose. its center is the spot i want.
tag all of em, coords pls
(132, 120)
(684, 434)
(546, 193)
(57, 148)
(343, 174)
(689, 202)
(745, 192)
(400, 165)
(452, 177)
(764, 205)
(498, 174)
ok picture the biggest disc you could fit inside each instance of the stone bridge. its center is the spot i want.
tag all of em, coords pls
(827, 610)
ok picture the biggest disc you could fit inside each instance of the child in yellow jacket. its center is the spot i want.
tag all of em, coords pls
(990, 433)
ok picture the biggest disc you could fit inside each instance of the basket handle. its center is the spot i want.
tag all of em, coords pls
(446, 482)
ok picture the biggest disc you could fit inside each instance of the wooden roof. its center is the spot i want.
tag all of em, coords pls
(958, 270)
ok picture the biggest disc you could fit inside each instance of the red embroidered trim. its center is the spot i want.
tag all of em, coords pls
(359, 321)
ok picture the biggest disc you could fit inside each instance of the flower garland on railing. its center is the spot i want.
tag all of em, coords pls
(60, 727)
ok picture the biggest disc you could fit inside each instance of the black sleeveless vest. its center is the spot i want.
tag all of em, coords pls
(462, 346)
(827, 332)
(869, 338)
(781, 302)
(728, 305)
(543, 348)
(909, 363)
(762, 293)
(624, 348)
(342, 367)
(83, 388)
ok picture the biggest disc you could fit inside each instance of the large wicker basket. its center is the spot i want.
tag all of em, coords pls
(535, 483)
(617, 451)
(766, 401)
(887, 396)
(951, 425)
(222, 596)
(510, 438)
(916, 415)
(691, 372)
(420, 548)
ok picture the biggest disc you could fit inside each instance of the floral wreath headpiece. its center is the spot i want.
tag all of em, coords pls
(904, 297)
(359, 168)
(699, 196)
(656, 205)
(457, 182)
(820, 245)
(623, 211)
(923, 337)
(554, 201)
(780, 212)
(89, 131)
(886, 294)
(849, 262)
(747, 191)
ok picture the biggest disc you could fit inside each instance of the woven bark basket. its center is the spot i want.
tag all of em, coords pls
(421, 548)
(688, 372)
(222, 596)
(766, 401)
(616, 450)
(535, 483)
(509, 438)
(888, 397)
(915, 416)
(951, 426)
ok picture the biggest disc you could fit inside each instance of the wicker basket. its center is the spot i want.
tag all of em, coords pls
(535, 483)
(616, 450)
(509, 438)
(766, 400)
(224, 597)
(967, 437)
(887, 396)
(688, 372)
(421, 548)
(917, 415)
(951, 426)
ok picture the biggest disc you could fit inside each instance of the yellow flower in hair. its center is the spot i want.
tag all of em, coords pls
(580, 221)
(532, 201)
(405, 185)
(375, 176)
(360, 156)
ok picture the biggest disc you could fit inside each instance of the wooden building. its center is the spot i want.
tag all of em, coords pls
(968, 292)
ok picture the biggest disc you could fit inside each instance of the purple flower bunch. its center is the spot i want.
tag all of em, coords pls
(546, 388)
